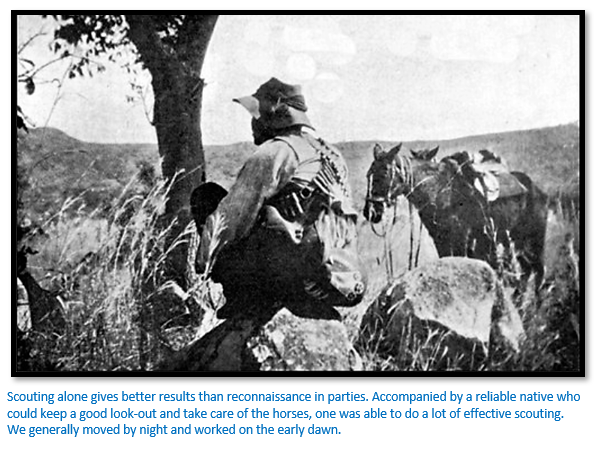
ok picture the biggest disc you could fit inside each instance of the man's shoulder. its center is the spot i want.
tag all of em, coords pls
(274, 145)
(270, 155)
(272, 150)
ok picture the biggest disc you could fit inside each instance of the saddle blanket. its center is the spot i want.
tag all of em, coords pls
(496, 182)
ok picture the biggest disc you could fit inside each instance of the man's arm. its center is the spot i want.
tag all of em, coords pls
(262, 176)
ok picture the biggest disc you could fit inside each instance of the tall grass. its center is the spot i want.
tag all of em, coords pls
(553, 317)
(108, 268)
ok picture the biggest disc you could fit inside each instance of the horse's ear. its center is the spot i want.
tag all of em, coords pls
(392, 153)
(433, 153)
(377, 151)
(425, 154)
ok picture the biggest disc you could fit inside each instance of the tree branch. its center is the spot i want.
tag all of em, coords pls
(29, 41)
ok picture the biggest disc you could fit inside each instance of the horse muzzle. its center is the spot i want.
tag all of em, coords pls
(374, 210)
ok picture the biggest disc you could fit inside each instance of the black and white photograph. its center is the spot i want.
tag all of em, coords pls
(364, 194)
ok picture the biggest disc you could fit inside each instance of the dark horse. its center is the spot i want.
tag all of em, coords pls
(459, 218)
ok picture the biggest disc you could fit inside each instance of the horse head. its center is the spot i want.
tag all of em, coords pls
(391, 175)
(384, 182)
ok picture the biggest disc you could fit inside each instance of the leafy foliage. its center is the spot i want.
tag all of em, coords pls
(93, 35)
(110, 35)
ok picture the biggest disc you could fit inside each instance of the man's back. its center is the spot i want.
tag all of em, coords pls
(286, 232)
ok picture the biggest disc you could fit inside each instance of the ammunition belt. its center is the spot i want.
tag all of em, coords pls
(301, 200)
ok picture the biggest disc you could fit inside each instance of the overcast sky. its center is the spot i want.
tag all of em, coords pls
(364, 77)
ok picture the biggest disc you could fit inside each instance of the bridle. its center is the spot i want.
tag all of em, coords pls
(400, 175)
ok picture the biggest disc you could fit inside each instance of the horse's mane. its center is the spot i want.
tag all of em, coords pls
(405, 169)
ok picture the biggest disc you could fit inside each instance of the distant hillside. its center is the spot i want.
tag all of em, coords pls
(60, 166)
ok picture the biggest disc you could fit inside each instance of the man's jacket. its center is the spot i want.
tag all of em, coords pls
(287, 228)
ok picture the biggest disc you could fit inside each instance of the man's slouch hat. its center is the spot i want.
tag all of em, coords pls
(278, 104)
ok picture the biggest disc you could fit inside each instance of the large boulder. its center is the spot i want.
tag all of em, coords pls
(448, 314)
(284, 342)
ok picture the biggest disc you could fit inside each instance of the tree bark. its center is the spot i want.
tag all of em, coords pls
(178, 91)
(47, 314)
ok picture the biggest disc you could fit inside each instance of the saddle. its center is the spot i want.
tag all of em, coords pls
(493, 178)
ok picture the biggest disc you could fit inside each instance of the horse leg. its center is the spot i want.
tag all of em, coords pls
(481, 247)
(529, 247)
(521, 285)
(536, 257)
(530, 259)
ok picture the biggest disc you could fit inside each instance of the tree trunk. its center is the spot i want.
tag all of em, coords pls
(47, 314)
(178, 92)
